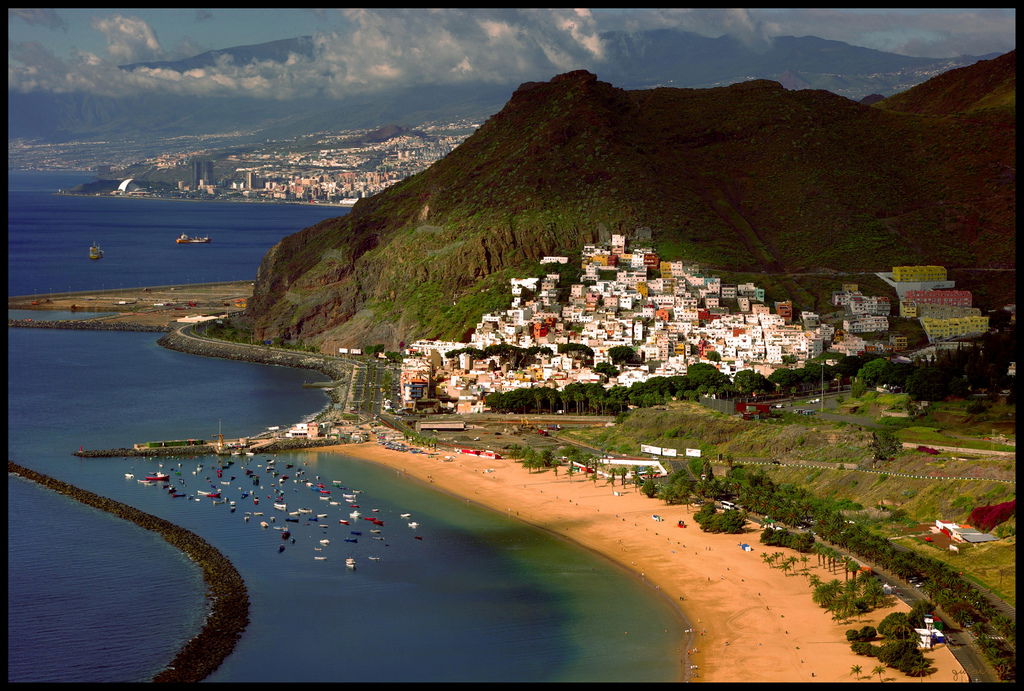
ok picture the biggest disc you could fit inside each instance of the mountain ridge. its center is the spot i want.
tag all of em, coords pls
(738, 178)
(647, 59)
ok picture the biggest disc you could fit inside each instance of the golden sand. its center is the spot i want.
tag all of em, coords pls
(750, 622)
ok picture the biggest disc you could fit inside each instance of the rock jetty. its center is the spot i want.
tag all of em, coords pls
(226, 592)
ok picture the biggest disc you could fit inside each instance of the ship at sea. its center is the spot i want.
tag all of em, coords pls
(95, 252)
(185, 239)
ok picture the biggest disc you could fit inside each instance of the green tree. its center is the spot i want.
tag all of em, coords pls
(885, 444)
(622, 355)
(749, 381)
(607, 369)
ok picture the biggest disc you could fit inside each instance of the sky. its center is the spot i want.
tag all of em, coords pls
(358, 50)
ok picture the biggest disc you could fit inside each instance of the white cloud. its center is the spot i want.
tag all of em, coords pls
(129, 39)
(370, 49)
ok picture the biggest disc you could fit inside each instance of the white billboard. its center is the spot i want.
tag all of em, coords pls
(693, 452)
(668, 452)
(645, 448)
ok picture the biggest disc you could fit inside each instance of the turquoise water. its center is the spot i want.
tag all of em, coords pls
(91, 598)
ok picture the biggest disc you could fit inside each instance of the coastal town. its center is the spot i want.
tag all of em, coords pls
(670, 314)
(338, 167)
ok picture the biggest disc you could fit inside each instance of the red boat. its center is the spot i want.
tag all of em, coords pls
(343, 522)
(158, 477)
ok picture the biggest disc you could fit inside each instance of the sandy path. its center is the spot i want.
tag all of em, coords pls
(750, 622)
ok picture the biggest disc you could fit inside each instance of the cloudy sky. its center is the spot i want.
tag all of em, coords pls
(359, 49)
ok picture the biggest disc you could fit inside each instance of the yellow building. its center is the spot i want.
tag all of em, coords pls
(952, 328)
(908, 309)
(919, 273)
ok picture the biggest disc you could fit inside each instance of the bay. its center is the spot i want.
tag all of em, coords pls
(480, 598)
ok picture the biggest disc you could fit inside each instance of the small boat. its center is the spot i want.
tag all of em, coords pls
(350, 563)
(184, 239)
(356, 532)
(285, 535)
(354, 514)
(178, 494)
(414, 524)
(312, 518)
(375, 537)
(128, 476)
(343, 521)
(325, 542)
(280, 548)
(319, 558)
(158, 477)
(375, 531)
(374, 558)
(95, 252)
(305, 511)
(405, 515)
(264, 524)
(292, 520)
(374, 510)
(321, 515)
(281, 507)
(351, 539)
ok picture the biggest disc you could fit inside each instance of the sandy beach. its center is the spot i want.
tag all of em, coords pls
(750, 622)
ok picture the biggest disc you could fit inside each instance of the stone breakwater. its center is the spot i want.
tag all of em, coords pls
(202, 449)
(187, 343)
(86, 325)
(226, 591)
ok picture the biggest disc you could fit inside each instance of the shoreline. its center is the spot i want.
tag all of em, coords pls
(207, 201)
(740, 613)
(226, 596)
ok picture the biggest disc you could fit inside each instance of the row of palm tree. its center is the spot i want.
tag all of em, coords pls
(958, 598)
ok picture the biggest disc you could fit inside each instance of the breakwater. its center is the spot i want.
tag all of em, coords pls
(229, 599)
(202, 449)
(187, 343)
(86, 325)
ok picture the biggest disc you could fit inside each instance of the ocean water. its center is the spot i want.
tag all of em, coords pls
(48, 237)
(92, 598)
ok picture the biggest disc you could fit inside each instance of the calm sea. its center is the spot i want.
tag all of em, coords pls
(92, 598)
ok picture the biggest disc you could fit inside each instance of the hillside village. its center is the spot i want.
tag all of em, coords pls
(672, 315)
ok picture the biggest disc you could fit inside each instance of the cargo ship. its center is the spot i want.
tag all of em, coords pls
(95, 252)
(185, 239)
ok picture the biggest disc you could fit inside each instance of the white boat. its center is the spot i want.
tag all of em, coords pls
(355, 514)
(325, 542)
(129, 476)
(405, 515)
(414, 524)
(305, 511)
(264, 524)
(281, 507)
(325, 498)
(350, 563)
(374, 558)
(321, 515)
(375, 531)
(320, 558)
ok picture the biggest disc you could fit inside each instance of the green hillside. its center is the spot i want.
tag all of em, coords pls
(745, 178)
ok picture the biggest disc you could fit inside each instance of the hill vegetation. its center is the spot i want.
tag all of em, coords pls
(745, 178)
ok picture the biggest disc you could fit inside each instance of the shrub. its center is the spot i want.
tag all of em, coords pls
(864, 648)
(988, 517)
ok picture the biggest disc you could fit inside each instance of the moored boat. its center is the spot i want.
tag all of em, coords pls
(350, 563)
(95, 252)
(184, 239)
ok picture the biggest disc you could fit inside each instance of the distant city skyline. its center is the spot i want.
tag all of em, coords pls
(66, 50)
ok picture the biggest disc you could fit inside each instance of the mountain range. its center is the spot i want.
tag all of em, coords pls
(750, 177)
(640, 60)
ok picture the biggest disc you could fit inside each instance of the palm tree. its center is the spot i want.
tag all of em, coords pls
(804, 559)
(856, 671)
(879, 670)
